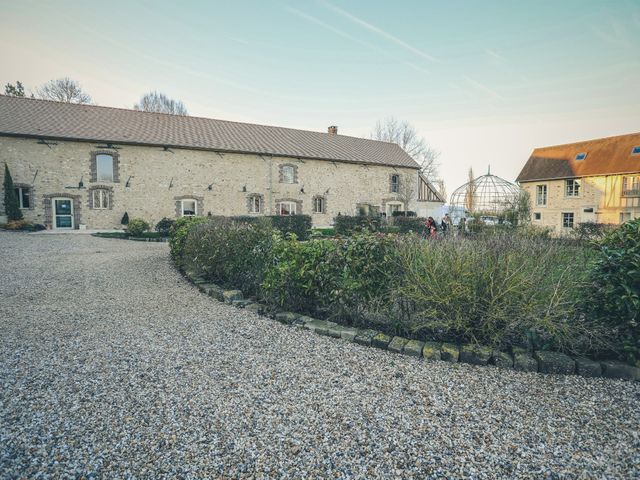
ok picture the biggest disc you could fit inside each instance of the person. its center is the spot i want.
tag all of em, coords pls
(431, 227)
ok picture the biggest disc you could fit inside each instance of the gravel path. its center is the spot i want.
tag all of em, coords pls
(111, 365)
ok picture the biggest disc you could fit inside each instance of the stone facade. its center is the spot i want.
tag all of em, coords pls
(149, 182)
(601, 200)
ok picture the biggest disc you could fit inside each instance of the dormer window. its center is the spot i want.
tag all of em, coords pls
(581, 156)
(635, 151)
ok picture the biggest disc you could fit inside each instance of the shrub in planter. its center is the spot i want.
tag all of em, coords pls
(125, 219)
(347, 224)
(615, 293)
(137, 227)
(163, 227)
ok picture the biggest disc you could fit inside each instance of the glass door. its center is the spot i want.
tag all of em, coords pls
(63, 213)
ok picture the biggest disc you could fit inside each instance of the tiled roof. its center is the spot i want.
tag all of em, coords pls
(65, 121)
(604, 156)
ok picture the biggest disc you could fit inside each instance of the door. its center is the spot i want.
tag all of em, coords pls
(63, 213)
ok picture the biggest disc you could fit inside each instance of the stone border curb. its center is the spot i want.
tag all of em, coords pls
(541, 361)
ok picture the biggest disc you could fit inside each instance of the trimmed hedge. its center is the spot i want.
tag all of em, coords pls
(410, 224)
(348, 224)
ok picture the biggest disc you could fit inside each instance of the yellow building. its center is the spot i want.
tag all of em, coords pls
(594, 181)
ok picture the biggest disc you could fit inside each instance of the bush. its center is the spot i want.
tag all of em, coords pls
(615, 292)
(137, 227)
(296, 224)
(178, 235)
(410, 224)
(347, 224)
(228, 251)
(125, 219)
(164, 226)
(18, 225)
(480, 290)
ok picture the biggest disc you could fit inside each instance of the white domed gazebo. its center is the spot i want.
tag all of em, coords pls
(488, 194)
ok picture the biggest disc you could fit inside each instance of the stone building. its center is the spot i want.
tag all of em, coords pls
(592, 181)
(77, 166)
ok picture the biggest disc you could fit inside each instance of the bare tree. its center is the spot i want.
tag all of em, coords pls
(63, 90)
(16, 90)
(441, 187)
(160, 103)
(405, 135)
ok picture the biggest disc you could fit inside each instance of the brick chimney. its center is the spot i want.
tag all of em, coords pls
(333, 129)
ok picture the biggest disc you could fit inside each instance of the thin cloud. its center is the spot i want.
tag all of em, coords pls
(378, 31)
(343, 34)
(482, 87)
(495, 55)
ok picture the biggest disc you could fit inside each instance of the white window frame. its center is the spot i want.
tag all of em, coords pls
(288, 174)
(112, 176)
(102, 195)
(21, 191)
(542, 195)
(195, 209)
(293, 208)
(322, 202)
(255, 200)
(573, 219)
(631, 185)
(572, 187)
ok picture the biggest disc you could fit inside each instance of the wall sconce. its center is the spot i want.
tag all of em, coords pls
(210, 187)
(171, 182)
(244, 188)
(128, 182)
(302, 189)
(81, 183)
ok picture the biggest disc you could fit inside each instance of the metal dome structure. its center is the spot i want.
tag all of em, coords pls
(487, 194)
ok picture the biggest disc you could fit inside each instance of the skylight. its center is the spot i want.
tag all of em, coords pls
(581, 156)
(635, 151)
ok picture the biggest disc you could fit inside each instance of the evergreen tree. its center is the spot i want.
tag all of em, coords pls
(11, 201)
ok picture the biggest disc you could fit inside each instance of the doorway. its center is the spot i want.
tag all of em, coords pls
(63, 214)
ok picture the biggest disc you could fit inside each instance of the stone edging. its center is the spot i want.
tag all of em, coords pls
(522, 360)
(135, 239)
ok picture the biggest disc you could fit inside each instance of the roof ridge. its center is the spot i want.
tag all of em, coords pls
(611, 137)
(195, 117)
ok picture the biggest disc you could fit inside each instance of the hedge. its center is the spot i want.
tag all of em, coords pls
(348, 224)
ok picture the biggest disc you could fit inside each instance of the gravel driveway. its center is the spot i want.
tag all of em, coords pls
(112, 365)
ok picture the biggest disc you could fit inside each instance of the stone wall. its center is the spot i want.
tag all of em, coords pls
(600, 200)
(150, 179)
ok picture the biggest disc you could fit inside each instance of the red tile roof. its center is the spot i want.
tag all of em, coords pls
(28, 117)
(604, 156)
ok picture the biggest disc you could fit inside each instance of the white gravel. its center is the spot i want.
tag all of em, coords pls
(112, 365)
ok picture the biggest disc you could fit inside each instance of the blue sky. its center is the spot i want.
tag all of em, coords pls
(483, 81)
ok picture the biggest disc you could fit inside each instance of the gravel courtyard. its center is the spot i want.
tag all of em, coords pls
(112, 365)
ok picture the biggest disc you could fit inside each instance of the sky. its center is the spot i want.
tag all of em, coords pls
(483, 81)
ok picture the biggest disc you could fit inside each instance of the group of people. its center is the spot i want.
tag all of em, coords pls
(431, 226)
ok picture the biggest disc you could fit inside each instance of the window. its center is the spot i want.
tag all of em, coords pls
(395, 183)
(104, 168)
(631, 186)
(24, 196)
(541, 194)
(318, 205)
(567, 220)
(572, 188)
(625, 217)
(288, 174)
(581, 156)
(286, 208)
(255, 203)
(189, 207)
(100, 199)
(635, 151)
(537, 216)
